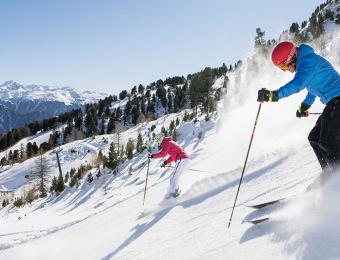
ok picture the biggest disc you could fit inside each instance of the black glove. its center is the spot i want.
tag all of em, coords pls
(150, 156)
(302, 110)
(265, 95)
(163, 164)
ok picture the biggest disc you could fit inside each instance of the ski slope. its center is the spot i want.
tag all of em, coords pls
(89, 223)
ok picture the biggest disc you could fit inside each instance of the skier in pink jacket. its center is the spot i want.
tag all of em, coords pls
(177, 155)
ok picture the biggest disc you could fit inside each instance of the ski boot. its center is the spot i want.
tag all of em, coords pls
(176, 193)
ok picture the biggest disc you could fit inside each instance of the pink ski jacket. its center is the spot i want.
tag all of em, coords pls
(170, 147)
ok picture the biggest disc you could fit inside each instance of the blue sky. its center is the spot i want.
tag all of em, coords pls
(112, 45)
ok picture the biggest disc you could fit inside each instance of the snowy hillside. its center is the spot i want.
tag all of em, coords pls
(21, 104)
(10, 91)
(103, 220)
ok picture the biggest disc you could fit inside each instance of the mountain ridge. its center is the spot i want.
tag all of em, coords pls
(41, 100)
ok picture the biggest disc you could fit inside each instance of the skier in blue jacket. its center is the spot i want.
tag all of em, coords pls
(318, 76)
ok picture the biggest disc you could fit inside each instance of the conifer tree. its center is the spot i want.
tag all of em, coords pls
(170, 101)
(3, 161)
(29, 149)
(259, 39)
(148, 95)
(42, 174)
(35, 148)
(111, 126)
(134, 90)
(78, 122)
(151, 107)
(200, 88)
(107, 112)
(100, 156)
(74, 181)
(186, 116)
(5, 202)
(139, 146)
(10, 156)
(99, 172)
(112, 160)
(127, 111)
(54, 184)
(294, 28)
(118, 114)
(143, 107)
(89, 178)
(102, 129)
(129, 149)
(163, 130)
(172, 125)
(122, 153)
(161, 94)
(16, 155)
(122, 94)
(134, 115)
(174, 135)
(60, 183)
(22, 151)
(141, 89)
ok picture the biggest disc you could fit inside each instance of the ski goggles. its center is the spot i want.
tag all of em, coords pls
(283, 66)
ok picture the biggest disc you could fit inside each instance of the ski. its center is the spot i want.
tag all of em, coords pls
(266, 204)
(256, 221)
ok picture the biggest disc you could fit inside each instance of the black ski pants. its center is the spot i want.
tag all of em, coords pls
(325, 136)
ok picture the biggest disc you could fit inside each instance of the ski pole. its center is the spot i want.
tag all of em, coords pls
(245, 163)
(146, 181)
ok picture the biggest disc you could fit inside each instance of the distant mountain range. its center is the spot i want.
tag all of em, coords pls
(21, 104)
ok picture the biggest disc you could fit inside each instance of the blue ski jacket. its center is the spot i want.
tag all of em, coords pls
(314, 73)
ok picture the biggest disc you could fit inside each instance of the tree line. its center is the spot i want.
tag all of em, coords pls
(315, 25)
(142, 103)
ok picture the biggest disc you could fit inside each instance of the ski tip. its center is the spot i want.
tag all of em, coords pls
(140, 216)
(142, 213)
(256, 221)
(265, 204)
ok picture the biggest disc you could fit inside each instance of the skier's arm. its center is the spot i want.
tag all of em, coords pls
(162, 153)
(169, 160)
(309, 100)
(298, 83)
(292, 87)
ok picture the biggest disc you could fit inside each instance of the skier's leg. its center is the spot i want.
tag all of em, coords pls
(172, 187)
(313, 139)
(329, 142)
(181, 166)
(330, 132)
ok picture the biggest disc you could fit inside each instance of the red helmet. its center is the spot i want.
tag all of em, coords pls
(283, 53)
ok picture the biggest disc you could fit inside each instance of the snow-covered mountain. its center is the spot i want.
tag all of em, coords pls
(21, 104)
(102, 220)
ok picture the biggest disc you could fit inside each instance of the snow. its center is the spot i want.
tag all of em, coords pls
(38, 139)
(88, 223)
(14, 92)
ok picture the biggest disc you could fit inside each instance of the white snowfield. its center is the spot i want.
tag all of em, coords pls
(13, 92)
(87, 223)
